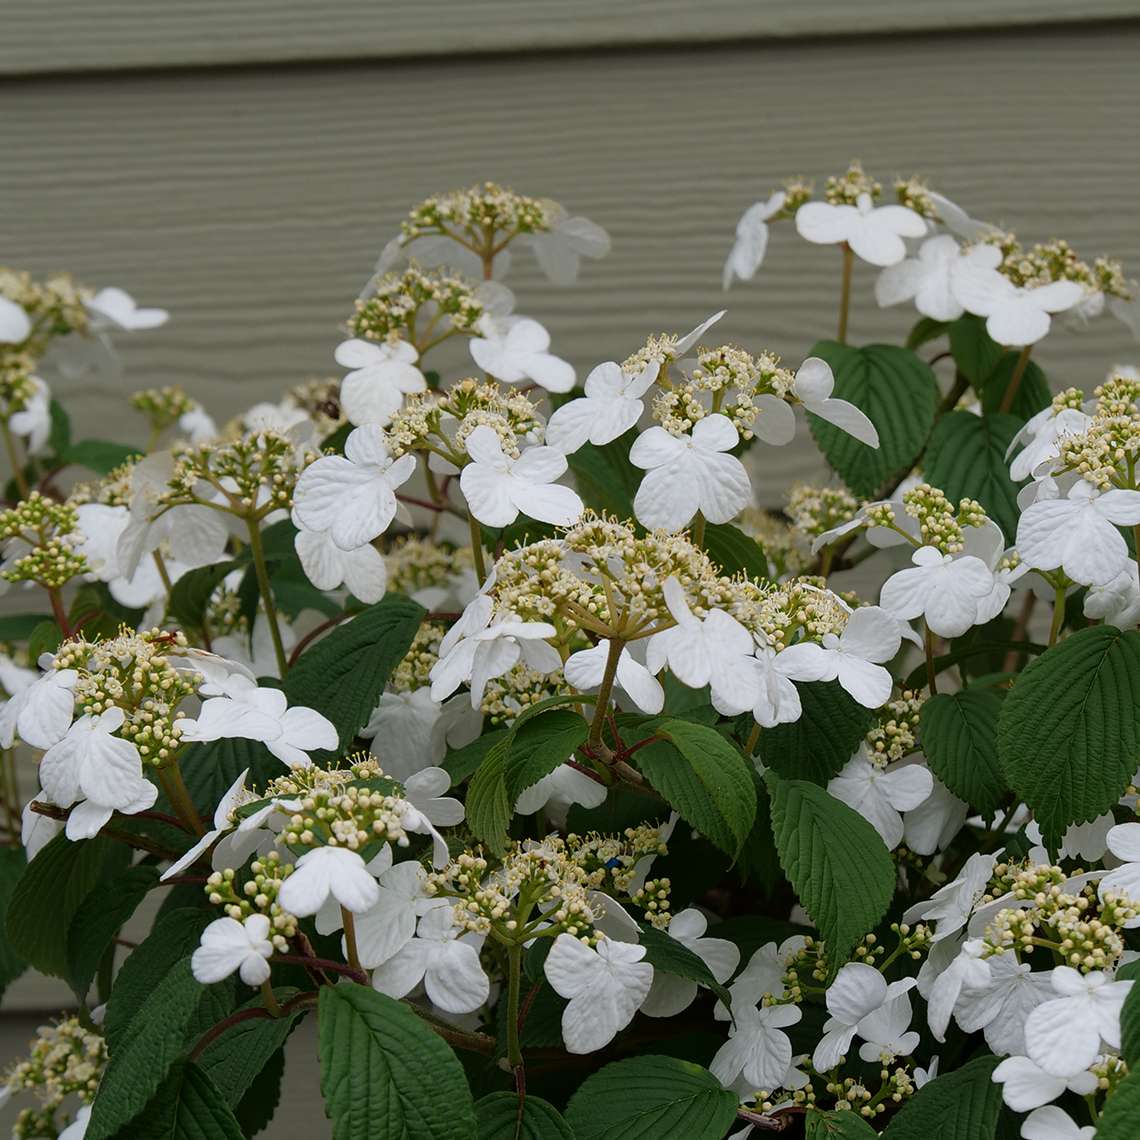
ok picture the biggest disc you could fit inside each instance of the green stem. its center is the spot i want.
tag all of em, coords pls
(931, 672)
(14, 459)
(477, 548)
(180, 800)
(753, 741)
(257, 553)
(594, 740)
(1058, 614)
(697, 531)
(514, 973)
(349, 923)
(845, 292)
(270, 999)
(1010, 392)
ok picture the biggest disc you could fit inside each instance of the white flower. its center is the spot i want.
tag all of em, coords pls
(40, 712)
(945, 590)
(1064, 1036)
(382, 375)
(228, 946)
(952, 904)
(255, 648)
(1078, 533)
(764, 974)
(715, 650)
(605, 987)
(886, 1031)
(987, 542)
(498, 488)
(1042, 436)
(1053, 1123)
(670, 994)
(518, 353)
(414, 730)
(15, 325)
(952, 966)
(857, 992)
(777, 699)
(116, 308)
(689, 473)
(1024, 1085)
(874, 233)
(235, 796)
(854, 658)
(757, 1048)
(1124, 843)
(36, 830)
(77, 1129)
(1001, 1005)
(444, 960)
(1015, 315)
(251, 713)
(352, 496)
(586, 669)
(33, 421)
(1086, 841)
(1117, 602)
(560, 249)
(880, 794)
(611, 406)
(557, 791)
(390, 925)
(428, 808)
(329, 872)
(925, 279)
(751, 243)
(327, 565)
(934, 824)
(198, 425)
(814, 384)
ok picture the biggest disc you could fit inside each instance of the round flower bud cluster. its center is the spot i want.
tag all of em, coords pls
(895, 733)
(913, 193)
(1106, 453)
(940, 525)
(415, 564)
(844, 189)
(1056, 260)
(250, 476)
(17, 381)
(113, 490)
(65, 1060)
(163, 407)
(852, 1094)
(1068, 398)
(745, 378)
(511, 694)
(653, 898)
(134, 673)
(1109, 1071)
(319, 399)
(797, 191)
(440, 422)
(780, 541)
(796, 610)
(806, 965)
(611, 861)
(913, 942)
(56, 306)
(816, 509)
(413, 671)
(421, 306)
(42, 535)
(256, 895)
(485, 214)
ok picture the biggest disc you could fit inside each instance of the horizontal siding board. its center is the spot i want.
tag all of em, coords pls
(76, 35)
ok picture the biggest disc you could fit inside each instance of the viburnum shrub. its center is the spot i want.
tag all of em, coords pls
(488, 722)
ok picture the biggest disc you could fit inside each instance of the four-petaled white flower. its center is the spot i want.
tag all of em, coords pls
(586, 669)
(1042, 436)
(880, 794)
(757, 1048)
(925, 279)
(605, 986)
(1016, 315)
(1078, 533)
(328, 566)
(858, 992)
(518, 352)
(428, 808)
(1000, 1006)
(945, 590)
(329, 872)
(1124, 843)
(498, 488)
(352, 496)
(611, 406)
(116, 308)
(234, 797)
(228, 946)
(15, 325)
(689, 473)
(886, 1031)
(670, 994)
(40, 713)
(1053, 1123)
(390, 925)
(814, 384)
(777, 699)
(557, 791)
(874, 233)
(560, 249)
(382, 375)
(854, 658)
(1025, 1085)
(751, 243)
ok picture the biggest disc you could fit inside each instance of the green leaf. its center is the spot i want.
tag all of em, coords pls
(540, 746)
(191, 593)
(45, 638)
(734, 551)
(924, 330)
(1069, 733)
(966, 457)
(257, 1108)
(210, 769)
(838, 864)
(897, 391)
(99, 918)
(463, 762)
(665, 954)
(975, 354)
(606, 479)
(488, 807)
(1130, 1026)
(64, 873)
(816, 746)
(60, 437)
(381, 1063)
(1033, 391)
(186, 1106)
(11, 868)
(703, 777)
(840, 1125)
(98, 455)
(497, 1117)
(140, 1060)
(961, 1105)
(19, 627)
(959, 738)
(1121, 1111)
(343, 674)
(651, 1098)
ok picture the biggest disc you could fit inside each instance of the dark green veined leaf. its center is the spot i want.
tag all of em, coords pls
(666, 955)
(897, 391)
(98, 455)
(959, 738)
(294, 593)
(838, 864)
(966, 457)
(759, 861)
(210, 769)
(344, 673)
(1069, 732)
(1130, 1026)
(19, 627)
(734, 551)
(380, 1062)
(704, 777)
(971, 650)
(1033, 391)
(606, 479)
(924, 330)
(975, 354)
(846, 1125)
(11, 868)
(659, 1097)
(59, 439)
(257, 1108)
(497, 1117)
(962, 1105)
(1121, 1111)
(816, 746)
(540, 746)
(45, 638)
(191, 593)
(186, 1106)
(462, 762)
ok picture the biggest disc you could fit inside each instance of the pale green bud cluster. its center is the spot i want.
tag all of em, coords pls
(940, 525)
(65, 1059)
(844, 189)
(417, 303)
(17, 380)
(163, 407)
(799, 609)
(256, 895)
(43, 535)
(56, 305)
(414, 669)
(520, 688)
(416, 564)
(895, 732)
(481, 214)
(1105, 454)
(814, 510)
(913, 193)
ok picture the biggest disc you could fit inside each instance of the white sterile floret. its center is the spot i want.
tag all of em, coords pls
(1124, 843)
(605, 986)
(879, 795)
(1000, 1005)
(517, 352)
(558, 791)
(15, 325)
(952, 904)
(586, 669)
(560, 249)
(1053, 1123)
(1117, 602)
(874, 233)
(925, 279)
(385, 929)
(382, 375)
(352, 496)
(1026, 1086)
(777, 699)
(689, 473)
(1042, 436)
(428, 808)
(757, 1048)
(1078, 533)
(413, 730)
(1015, 315)
(751, 243)
(854, 658)
(858, 992)
(498, 488)
(886, 1031)
(235, 796)
(329, 872)
(670, 993)
(611, 406)
(228, 946)
(946, 591)
(813, 387)
(715, 650)
(328, 566)
(34, 421)
(116, 308)
(40, 713)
